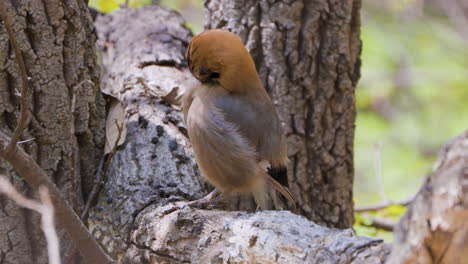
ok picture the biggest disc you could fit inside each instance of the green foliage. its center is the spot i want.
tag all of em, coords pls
(411, 99)
(362, 228)
(107, 6)
(191, 10)
(363, 222)
(182, 4)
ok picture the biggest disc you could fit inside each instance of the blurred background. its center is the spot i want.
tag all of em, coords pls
(412, 96)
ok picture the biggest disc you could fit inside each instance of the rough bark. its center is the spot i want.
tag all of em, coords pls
(143, 57)
(177, 234)
(141, 214)
(307, 54)
(57, 42)
(435, 227)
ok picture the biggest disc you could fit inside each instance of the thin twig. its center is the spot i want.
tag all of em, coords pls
(7, 188)
(378, 178)
(48, 226)
(24, 104)
(26, 141)
(382, 223)
(74, 179)
(378, 171)
(101, 173)
(35, 176)
(46, 209)
(383, 205)
(95, 190)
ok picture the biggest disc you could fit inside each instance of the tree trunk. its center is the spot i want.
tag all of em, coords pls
(58, 45)
(307, 54)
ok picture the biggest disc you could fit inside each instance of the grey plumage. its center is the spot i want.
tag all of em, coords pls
(231, 121)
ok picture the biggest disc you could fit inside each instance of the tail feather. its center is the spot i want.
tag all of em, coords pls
(268, 198)
(279, 173)
(280, 188)
(274, 194)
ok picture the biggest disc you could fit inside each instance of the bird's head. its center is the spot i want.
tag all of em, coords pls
(219, 57)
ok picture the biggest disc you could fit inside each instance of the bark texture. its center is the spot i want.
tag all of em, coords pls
(141, 215)
(177, 234)
(143, 60)
(435, 227)
(57, 42)
(307, 54)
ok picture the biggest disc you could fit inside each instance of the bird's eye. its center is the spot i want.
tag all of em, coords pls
(214, 75)
(208, 75)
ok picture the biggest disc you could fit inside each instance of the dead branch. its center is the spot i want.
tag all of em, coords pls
(46, 209)
(24, 104)
(384, 224)
(188, 235)
(96, 188)
(102, 172)
(49, 227)
(378, 171)
(379, 181)
(381, 223)
(383, 205)
(28, 169)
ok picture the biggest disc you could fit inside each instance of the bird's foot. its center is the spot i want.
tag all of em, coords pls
(210, 201)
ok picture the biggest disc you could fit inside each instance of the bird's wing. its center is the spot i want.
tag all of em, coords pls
(257, 120)
(224, 156)
(187, 101)
(235, 137)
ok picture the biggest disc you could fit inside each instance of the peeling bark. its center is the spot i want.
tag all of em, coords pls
(435, 227)
(57, 42)
(308, 56)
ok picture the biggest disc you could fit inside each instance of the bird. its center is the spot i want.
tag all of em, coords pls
(232, 123)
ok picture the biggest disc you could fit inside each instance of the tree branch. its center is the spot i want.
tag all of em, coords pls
(24, 112)
(381, 206)
(49, 227)
(46, 209)
(102, 172)
(381, 223)
(190, 235)
(28, 169)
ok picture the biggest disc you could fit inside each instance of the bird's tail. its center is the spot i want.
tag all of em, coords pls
(267, 196)
(282, 189)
